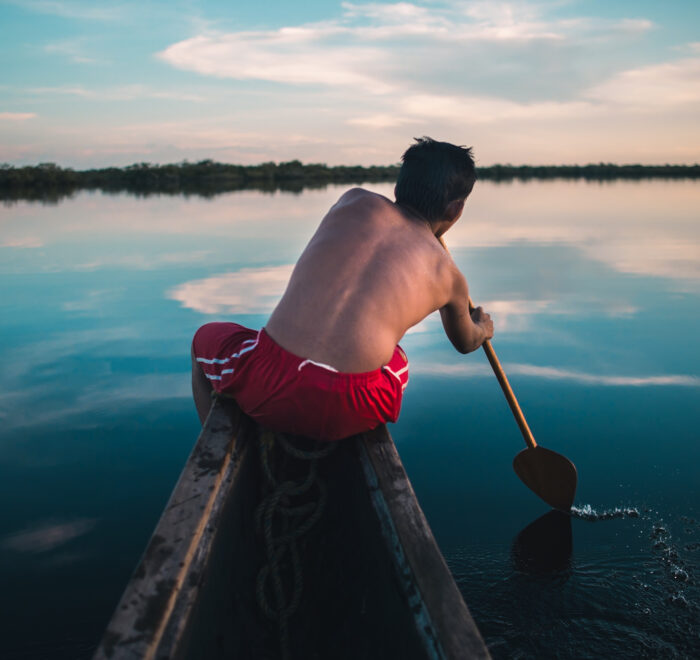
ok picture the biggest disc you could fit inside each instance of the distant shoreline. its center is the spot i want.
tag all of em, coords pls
(50, 182)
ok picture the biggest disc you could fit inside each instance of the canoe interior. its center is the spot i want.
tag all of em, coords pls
(373, 581)
(352, 603)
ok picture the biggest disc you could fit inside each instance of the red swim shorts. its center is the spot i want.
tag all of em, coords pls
(284, 392)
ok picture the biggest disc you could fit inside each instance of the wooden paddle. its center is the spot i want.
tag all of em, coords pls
(549, 475)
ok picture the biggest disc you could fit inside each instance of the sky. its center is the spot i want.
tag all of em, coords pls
(91, 84)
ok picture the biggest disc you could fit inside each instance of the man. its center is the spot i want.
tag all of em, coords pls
(327, 364)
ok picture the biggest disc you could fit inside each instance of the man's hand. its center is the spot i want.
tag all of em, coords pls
(483, 320)
(466, 330)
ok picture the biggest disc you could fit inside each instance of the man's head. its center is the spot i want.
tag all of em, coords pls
(433, 176)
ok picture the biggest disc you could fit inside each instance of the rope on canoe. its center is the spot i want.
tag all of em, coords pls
(287, 511)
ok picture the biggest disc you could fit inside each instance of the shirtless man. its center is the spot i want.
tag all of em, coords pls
(327, 364)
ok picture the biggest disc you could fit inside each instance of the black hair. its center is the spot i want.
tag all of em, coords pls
(432, 175)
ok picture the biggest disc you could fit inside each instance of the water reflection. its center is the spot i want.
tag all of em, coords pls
(645, 228)
(544, 546)
(465, 370)
(249, 290)
(46, 536)
(594, 292)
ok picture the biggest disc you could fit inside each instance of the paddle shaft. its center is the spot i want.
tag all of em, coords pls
(503, 381)
(507, 389)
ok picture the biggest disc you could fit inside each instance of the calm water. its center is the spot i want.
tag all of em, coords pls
(594, 290)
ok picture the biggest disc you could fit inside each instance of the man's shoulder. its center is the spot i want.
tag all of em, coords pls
(362, 196)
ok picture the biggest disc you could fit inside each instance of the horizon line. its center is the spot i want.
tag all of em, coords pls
(186, 161)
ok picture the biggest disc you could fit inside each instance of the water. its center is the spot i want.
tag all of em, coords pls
(594, 290)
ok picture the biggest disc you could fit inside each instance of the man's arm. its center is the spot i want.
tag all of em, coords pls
(466, 331)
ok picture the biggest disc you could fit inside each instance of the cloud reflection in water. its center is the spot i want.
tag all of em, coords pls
(464, 370)
(47, 536)
(247, 291)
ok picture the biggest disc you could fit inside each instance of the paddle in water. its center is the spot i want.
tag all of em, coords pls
(550, 475)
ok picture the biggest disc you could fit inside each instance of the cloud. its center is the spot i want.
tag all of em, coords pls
(670, 86)
(289, 55)
(247, 291)
(483, 109)
(464, 370)
(29, 153)
(23, 242)
(221, 137)
(70, 49)
(380, 121)
(511, 71)
(495, 22)
(121, 93)
(350, 88)
(391, 13)
(47, 536)
(374, 47)
(651, 88)
(665, 86)
(16, 116)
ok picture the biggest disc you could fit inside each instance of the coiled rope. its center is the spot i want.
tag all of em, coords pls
(288, 510)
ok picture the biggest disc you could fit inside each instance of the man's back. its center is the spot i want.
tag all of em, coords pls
(370, 272)
(327, 364)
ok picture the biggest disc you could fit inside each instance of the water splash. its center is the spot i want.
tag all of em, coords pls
(587, 512)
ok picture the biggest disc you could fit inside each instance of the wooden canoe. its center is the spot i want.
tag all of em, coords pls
(373, 581)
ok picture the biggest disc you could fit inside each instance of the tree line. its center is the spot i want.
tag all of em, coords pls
(50, 182)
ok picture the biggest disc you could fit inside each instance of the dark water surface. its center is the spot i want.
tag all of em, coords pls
(594, 290)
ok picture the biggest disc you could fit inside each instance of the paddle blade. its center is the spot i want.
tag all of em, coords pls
(549, 475)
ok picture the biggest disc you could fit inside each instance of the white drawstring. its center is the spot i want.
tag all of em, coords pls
(318, 364)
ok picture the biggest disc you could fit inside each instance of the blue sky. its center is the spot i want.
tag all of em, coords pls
(90, 84)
